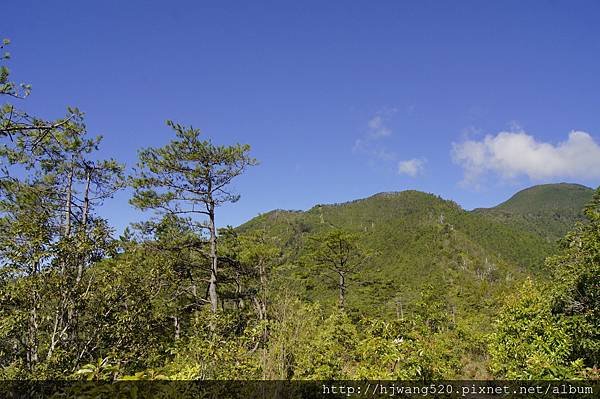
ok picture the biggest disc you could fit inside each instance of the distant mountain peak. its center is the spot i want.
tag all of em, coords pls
(548, 196)
(547, 209)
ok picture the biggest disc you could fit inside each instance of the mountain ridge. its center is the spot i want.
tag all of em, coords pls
(549, 210)
(421, 239)
(539, 189)
(527, 208)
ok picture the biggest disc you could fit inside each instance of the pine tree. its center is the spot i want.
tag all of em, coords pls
(190, 177)
(338, 255)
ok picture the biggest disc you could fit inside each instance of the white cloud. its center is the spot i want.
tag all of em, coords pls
(374, 144)
(373, 150)
(371, 143)
(514, 154)
(411, 167)
(378, 128)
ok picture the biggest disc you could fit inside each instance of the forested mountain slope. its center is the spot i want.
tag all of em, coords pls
(416, 240)
(549, 210)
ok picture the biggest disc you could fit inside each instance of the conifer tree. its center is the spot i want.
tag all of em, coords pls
(190, 177)
(339, 256)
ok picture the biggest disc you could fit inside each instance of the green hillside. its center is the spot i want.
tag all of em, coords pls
(418, 239)
(548, 210)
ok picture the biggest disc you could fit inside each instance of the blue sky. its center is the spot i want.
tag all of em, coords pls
(339, 100)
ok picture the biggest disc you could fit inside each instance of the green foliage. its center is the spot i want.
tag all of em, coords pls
(219, 347)
(549, 210)
(552, 331)
(187, 171)
(575, 290)
(18, 125)
(338, 255)
(101, 370)
(8, 87)
(413, 239)
(190, 177)
(531, 342)
(330, 355)
(292, 327)
(49, 237)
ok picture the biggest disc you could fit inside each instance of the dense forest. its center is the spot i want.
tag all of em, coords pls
(396, 286)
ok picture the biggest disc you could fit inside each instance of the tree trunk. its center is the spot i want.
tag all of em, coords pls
(32, 352)
(263, 298)
(259, 308)
(62, 320)
(342, 287)
(86, 197)
(238, 300)
(84, 219)
(212, 287)
(68, 202)
(263, 287)
(177, 327)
